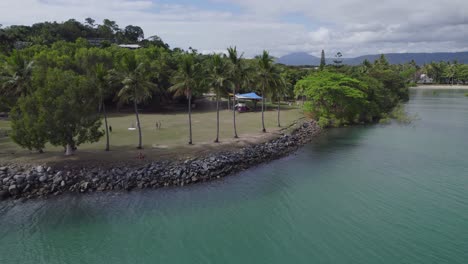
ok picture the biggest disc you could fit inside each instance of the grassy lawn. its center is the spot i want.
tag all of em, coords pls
(4, 124)
(169, 141)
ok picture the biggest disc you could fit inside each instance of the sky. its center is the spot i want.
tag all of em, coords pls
(353, 27)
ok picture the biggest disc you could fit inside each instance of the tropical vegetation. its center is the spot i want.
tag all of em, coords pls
(58, 81)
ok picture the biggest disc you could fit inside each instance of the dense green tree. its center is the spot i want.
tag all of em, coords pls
(462, 73)
(90, 22)
(292, 76)
(133, 34)
(334, 97)
(61, 112)
(154, 41)
(382, 62)
(28, 124)
(47, 33)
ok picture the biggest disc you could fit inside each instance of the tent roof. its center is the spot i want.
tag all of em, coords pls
(249, 96)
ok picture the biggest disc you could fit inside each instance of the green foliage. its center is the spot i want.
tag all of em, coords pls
(186, 79)
(291, 77)
(136, 85)
(217, 74)
(61, 112)
(47, 33)
(324, 122)
(240, 70)
(69, 106)
(334, 94)
(398, 114)
(16, 75)
(350, 95)
(28, 123)
(447, 72)
(267, 75)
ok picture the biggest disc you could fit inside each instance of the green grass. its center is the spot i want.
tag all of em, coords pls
(171, 139)
(4, 124)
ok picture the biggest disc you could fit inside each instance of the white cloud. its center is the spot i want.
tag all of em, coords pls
(354, 27)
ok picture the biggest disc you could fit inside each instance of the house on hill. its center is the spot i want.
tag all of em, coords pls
(130, 46)
(424, 79)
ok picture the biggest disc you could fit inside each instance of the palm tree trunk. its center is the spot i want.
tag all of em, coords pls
(263, 109)
(234, 112)
(138, 124)
(279, 124)
(190, 118)
(217, 116)
(107, 127)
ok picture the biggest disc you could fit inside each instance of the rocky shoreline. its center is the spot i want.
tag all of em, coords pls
(18, 182)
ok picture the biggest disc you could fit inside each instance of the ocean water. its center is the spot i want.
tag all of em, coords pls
(371, 194)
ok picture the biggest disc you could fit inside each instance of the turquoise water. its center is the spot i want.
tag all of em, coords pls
(374, 194)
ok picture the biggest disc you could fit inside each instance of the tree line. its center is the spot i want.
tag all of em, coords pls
(47, 33)
(60, 93)
(447, 72)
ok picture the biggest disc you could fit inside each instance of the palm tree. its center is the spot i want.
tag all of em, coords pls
(137, 88)
(218, 79)
(280, 90)
(266, 76)
(102, 80)
(17, 76)
(185, 80)
(240, 75)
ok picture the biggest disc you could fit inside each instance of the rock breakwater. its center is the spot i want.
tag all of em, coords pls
(20, 182)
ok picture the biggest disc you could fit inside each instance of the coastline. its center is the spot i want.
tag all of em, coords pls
(441, 86)
(29, 182)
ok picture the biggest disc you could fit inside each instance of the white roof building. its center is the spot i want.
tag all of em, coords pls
(130, 46)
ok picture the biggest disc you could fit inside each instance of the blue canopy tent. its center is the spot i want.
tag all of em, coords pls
(249, 96)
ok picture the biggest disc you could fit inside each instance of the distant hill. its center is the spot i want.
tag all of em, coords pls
(303, 58)
(298, 58)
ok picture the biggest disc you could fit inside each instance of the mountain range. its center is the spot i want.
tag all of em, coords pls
(303, 58)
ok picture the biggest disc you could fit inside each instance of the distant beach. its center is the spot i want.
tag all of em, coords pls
(441, 86)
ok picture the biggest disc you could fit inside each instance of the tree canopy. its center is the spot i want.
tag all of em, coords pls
(349, 95)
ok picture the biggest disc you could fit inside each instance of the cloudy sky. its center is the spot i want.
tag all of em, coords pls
(354, 27)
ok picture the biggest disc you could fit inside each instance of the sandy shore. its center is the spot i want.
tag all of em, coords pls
(441, 86)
